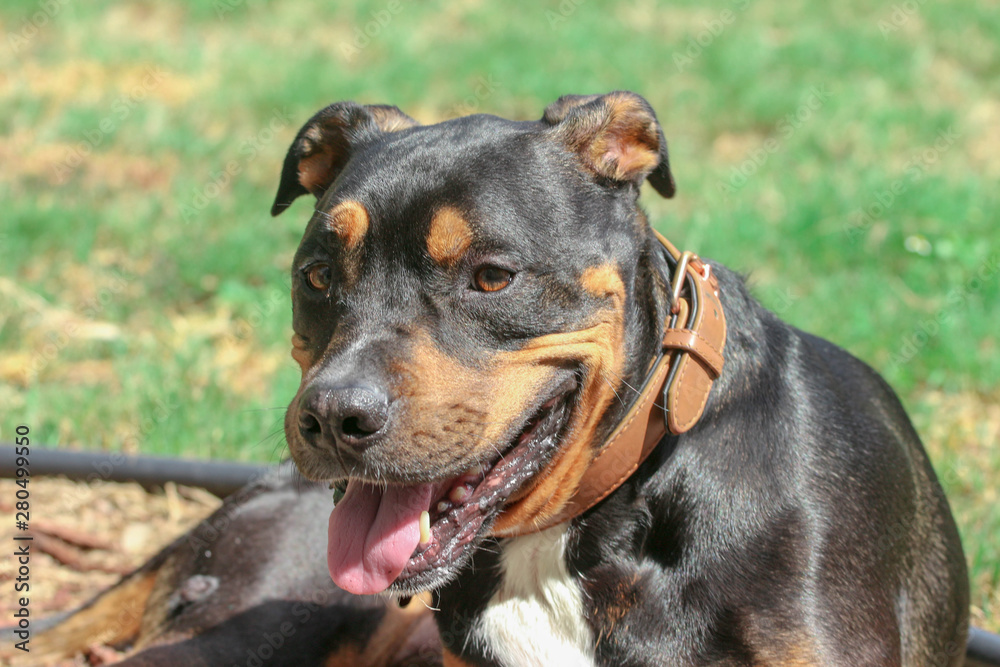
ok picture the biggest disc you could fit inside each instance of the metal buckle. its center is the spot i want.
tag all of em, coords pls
(678, 282)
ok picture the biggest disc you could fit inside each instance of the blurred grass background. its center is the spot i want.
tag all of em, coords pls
(846, 156)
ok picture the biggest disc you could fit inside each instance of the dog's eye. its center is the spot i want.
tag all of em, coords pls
(492, 278)
(319, 277)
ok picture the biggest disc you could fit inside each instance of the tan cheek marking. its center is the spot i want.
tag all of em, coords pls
(601, 350)
(300, 353)
(454, 409)
(349, 221)
(449, 236)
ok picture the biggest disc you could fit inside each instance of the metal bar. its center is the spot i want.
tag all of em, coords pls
(983, 649)
(218, 477)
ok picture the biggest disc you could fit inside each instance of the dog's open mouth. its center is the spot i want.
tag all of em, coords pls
(411, 538)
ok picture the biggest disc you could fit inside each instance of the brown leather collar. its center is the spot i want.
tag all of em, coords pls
(689, 360)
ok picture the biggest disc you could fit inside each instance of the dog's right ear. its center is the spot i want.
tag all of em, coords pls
(325, 144)
(616, 136)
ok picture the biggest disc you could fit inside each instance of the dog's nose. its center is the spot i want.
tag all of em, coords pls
(343, 416)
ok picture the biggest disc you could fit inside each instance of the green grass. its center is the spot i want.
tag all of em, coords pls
(143, 308)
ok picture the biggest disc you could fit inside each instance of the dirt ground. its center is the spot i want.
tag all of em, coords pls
(85, 536)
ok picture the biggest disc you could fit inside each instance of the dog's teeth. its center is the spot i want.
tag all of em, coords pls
(425, 527)
(443, 506)
(458, 494)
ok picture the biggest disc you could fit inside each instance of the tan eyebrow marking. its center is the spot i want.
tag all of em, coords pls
(602, 281)
(349, 220)
(449, 236)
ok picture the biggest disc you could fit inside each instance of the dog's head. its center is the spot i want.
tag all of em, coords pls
(465, 311)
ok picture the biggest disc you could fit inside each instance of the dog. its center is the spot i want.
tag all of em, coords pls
(554, 439)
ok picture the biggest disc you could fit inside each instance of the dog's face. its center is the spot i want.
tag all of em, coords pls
(461, 296)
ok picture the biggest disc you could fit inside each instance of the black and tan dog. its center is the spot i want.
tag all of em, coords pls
(589, 449)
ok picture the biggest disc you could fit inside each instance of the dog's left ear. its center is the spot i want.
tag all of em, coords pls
(616, 137)
(325, 144)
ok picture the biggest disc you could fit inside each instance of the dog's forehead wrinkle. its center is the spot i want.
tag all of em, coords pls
(392, 299)
(434, 157)
(461, 137)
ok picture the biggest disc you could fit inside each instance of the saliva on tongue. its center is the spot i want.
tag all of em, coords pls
(372, 534)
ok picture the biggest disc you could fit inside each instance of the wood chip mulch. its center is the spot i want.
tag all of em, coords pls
(86, 535)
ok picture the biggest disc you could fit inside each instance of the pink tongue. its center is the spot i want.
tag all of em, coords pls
(373, 533)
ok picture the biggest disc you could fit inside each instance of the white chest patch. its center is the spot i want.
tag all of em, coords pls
(536, 616)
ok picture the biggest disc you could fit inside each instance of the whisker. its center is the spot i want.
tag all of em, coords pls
(637, 392)
(427, 605)
(252, 410)
(614, 390)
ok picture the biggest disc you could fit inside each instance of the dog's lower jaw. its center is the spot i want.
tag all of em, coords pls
(536, 616)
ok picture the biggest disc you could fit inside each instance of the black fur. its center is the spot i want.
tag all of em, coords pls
(799, 522)
(800, 517)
